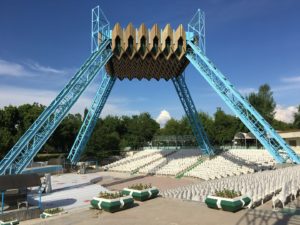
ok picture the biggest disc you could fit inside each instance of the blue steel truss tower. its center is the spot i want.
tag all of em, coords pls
(261, 129)
(18, 158)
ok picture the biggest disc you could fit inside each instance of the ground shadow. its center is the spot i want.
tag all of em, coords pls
(92, 181)
(54, 203)
(123, 181)
(268, 217)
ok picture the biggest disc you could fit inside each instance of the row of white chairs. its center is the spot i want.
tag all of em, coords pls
(179, 162)
(257, 156)
(137, 156)
(134, 165)
(232, 163)
(276, 184)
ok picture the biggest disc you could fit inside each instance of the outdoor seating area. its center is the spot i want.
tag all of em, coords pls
(138, 160)
(179, 161)
(191, 163)
(277, 185)
(233, 163)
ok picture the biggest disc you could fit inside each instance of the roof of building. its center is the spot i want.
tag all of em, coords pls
(283, 134)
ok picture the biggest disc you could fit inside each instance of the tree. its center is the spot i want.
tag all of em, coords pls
(297, 119)
(172, 127)
(27, 115)
(6, 141)
(263, 102)
(281, 126)
(225, 127)
(65, 134)
(141, 130)
(208, 124)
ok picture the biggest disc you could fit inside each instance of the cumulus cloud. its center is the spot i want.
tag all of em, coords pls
(163, 118)
(285, 114)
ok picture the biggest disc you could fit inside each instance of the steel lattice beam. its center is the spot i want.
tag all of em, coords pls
(91, 118)
(35, 137)
(100, 28)
(192, 114)
(267, 136)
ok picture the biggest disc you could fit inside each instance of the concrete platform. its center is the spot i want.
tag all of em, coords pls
(71, 191)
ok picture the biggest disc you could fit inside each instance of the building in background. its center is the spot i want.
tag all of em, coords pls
(248, 140)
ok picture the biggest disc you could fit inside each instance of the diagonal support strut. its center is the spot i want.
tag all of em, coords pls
(192, 114)
(262, 130)
(91, 118)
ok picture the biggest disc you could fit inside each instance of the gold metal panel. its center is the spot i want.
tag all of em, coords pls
(154, 41)
(130, 40)
(117, 44)
(147, 54)
(142, 41)
(179, 46)
(167, 41)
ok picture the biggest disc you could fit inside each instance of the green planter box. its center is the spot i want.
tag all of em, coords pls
(112, 205)
(11, 222)
(227, 204)
(141, 195)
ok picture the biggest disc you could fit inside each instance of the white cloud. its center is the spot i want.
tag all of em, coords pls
(45, 69)
(163, 118)
(288, 84)
(291, 79)
(10, 95)
(13, 69)
(285, 114)
(117, 110)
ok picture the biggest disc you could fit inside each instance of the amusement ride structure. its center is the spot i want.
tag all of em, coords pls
(141, 53)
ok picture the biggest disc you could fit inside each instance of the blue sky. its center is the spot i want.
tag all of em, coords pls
(42, 43)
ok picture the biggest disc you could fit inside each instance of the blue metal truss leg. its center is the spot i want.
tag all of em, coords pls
(28, 135)
(91, 118)
(267, 136)
(35, 137)
(192, 114)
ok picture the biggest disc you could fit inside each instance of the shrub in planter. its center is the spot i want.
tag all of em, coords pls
(228, 200)
(9, 222)
(112, 202)
(52, 212)
(141, 192)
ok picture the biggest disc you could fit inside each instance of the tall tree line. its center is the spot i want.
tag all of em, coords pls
(221, 127)
(112, 133)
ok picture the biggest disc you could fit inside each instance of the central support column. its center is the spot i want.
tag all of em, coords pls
(91, 118)
(192, 114)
